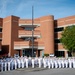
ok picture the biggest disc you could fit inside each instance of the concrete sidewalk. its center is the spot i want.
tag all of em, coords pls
(40, 71)
(31, 69)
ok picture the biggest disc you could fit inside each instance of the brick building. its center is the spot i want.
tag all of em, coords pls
(16, 35)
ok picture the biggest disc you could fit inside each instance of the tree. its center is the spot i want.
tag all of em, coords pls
(68, 38)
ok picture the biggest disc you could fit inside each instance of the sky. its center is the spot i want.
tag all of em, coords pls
(23, 8)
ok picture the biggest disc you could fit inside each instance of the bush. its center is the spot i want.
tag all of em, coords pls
(46, 54)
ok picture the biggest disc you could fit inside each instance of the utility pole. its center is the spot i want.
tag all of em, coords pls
(32, 31)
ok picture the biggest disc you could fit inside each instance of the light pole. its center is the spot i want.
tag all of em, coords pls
(32, 31)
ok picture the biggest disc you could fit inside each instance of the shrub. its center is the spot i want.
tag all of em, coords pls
(46, 54)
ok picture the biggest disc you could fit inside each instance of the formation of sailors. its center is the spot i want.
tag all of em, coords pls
(46, 62)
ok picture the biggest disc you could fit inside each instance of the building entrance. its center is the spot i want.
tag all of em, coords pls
(28, 52)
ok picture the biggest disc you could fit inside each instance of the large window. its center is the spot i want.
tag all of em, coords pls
(58, 29)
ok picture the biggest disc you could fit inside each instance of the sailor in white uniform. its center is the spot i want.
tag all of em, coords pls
(56, 64)
(52, 63)
(66, 63)
(73, 62)
(5, 65)
(70, 63)
(18, 61)
(26, 62)
(59, 63)
(36, 61)
(44, 62)
(1, 65)
(49, 64)
(62, 63)
(33, 62)
(15, 63)
(8, 65)
(40, 62)
(30, 61)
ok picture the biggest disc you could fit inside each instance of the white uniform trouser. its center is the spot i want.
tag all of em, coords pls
(19, 64)
(62, 64)
(73, 64)
(32, 63)
(15, 65)
(66, 64)
(70, 64)
(8, 66)
(5, 66)
(48, 64)
(2, 66)
(44, 64)
(39, 61)
(22, 64)
(12, 66)
(56, 65)
(59, 64)
(52, 65)
(26, 63)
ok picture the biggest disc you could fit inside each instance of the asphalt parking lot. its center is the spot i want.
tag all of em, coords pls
(40, 71)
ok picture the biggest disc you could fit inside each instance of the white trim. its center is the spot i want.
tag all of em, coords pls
(61, 50)
(28, 24)
(58, 32)
(21, 47)
(20, 36)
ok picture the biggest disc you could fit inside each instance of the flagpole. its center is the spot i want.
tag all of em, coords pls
(32, 30)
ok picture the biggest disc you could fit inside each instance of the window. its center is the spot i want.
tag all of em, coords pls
(57, 40)
(29, 28)
(58, 29)
(28, 38)
(0, 29)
